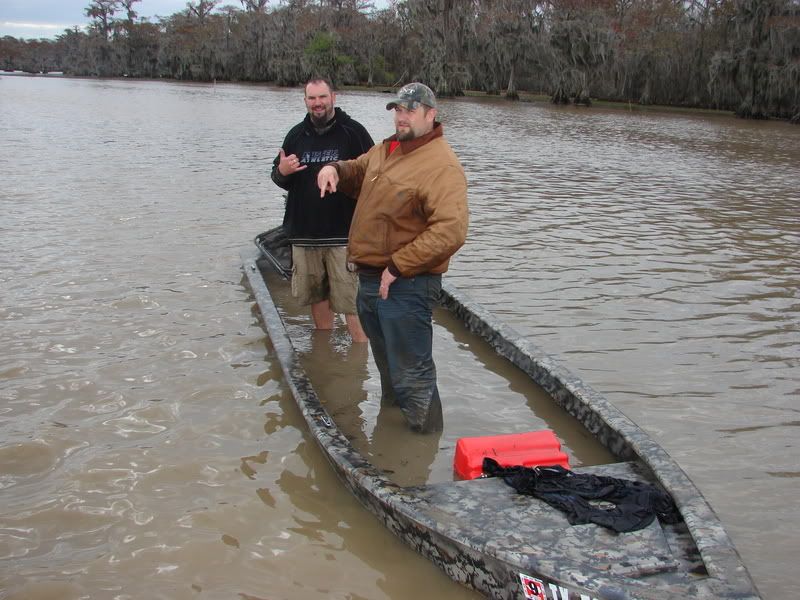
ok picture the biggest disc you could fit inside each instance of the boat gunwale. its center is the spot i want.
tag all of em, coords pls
(590, 408)
(719, 555)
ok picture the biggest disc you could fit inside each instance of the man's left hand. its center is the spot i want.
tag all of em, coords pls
(387, 279)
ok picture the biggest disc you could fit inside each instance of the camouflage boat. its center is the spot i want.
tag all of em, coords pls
(485, 535)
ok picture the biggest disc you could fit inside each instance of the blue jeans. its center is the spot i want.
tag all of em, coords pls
(400, 334)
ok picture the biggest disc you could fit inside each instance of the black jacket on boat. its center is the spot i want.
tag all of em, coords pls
(310, 220)
(618, 504)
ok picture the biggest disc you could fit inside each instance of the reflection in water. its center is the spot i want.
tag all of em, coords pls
(338, 371)
(407, 457)
(507, 400)
(485, 395)
(340, 374)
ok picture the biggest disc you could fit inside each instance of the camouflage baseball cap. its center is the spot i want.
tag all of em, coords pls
(412, 95)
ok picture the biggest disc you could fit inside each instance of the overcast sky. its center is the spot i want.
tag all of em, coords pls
(49, 18)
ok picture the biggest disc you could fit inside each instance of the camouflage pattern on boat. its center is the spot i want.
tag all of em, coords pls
(511, 546)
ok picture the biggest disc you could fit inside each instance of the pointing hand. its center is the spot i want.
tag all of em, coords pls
(327, 180)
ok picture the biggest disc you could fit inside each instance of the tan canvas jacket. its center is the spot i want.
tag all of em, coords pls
(412, 205)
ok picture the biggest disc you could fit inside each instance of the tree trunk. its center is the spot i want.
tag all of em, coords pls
(560, 95)
(511, 91)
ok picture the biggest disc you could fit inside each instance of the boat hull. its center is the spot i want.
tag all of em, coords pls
(487, 537)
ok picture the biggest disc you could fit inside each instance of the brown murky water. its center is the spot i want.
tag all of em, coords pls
(148, 447)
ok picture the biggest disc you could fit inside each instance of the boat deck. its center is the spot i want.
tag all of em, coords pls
(516, 524)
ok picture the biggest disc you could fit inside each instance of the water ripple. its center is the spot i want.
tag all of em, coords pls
(656, 254)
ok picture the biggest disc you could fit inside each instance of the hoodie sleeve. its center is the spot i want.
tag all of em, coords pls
(280, 180)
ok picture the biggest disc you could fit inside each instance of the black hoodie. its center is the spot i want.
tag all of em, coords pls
(310, 220)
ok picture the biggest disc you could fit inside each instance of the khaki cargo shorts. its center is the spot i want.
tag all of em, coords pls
(321, 273)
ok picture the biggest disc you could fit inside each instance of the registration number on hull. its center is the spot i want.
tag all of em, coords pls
(535, 589)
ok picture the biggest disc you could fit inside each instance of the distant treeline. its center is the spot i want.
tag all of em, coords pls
(740, 55)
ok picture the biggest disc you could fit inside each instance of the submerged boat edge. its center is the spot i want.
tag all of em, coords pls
(394, 506)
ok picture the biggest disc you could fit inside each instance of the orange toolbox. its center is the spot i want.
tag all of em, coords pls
(529, 449)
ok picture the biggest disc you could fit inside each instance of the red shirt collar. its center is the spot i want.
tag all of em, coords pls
(412, 145)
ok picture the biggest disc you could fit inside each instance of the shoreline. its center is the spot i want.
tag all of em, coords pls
(541, 98)
(524, 96)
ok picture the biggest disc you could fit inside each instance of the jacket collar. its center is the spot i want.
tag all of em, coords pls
(411, 145)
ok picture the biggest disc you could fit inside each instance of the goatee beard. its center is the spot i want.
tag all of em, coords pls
(320, 121)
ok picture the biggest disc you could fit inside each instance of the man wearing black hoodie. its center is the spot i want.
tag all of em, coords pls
(318, 227)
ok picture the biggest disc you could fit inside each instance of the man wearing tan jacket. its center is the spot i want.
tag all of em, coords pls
(411, 216)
